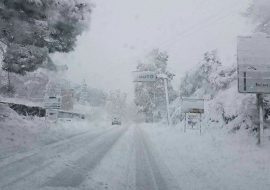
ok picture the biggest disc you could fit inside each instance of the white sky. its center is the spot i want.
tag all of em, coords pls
(123, 31)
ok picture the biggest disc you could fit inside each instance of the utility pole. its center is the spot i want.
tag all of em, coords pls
(185, 127)
(164, 77)
(257, 72)
(167, 99)
(200, 123)
(150, 76)
(261, 114)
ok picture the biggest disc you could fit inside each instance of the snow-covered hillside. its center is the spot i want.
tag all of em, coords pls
(213, 160)
(20, 133)
(224, 105)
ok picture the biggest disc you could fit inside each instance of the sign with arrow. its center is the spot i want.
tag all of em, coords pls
(253, 60)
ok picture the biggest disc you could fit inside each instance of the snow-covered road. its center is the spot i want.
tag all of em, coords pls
(140, 157)
(112, 158)
(151, 172)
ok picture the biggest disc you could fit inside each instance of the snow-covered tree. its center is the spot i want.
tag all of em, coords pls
(116, 103)
(31, 29)
(227, 107)
(208, 78)
(150, 96)
(83, 93)
(260, 14)
(92, 96)
(30, 86)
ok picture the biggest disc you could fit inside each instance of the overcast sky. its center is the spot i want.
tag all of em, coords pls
(122, 31)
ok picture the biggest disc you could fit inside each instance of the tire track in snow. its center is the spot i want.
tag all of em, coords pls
(25, 167)
(18, 157)
(151, 173)
(74, 176)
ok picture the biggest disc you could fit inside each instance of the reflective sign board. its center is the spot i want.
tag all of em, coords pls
(51, 115)
(253, 59)
(190, 105)
(52, 102)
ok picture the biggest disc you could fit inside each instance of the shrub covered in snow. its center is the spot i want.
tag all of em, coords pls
(226, 106)
(232, 109)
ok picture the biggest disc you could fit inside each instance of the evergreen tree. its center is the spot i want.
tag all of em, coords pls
(83, 93)
(116, 104)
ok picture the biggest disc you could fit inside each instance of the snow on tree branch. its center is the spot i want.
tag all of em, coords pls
(44, 25)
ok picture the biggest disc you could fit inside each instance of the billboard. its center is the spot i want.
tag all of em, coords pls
(144, 76)
(253, 59)
(189, 105)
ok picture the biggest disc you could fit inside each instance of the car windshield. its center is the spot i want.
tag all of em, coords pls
(134, 94)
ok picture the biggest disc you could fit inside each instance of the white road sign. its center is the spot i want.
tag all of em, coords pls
(52, 102)
(253, 58)
(52, 115)
(144, 76)
(192, 105)
(52, 105)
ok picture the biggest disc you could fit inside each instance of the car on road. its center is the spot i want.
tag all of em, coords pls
(116, 121)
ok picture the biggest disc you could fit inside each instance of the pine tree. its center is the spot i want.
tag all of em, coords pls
(83, 93)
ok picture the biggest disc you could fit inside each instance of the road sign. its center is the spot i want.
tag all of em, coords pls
(192, 105)
(253, 60)
(52, 102)
(144, 76)
(52, 115)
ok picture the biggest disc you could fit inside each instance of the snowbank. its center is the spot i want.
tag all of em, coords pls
(214, 160)
(19, 134)
(231, 109)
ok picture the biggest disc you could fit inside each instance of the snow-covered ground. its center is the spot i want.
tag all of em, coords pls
(21, 134)
(215, 160)
(96, 155)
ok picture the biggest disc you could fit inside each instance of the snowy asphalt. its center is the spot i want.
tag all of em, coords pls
(115, 158)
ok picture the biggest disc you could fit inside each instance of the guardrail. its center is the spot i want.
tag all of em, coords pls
(26, 110)
(66, 115)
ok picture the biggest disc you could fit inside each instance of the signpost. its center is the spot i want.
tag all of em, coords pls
(52, 105)
(150, 76)
(253, 59)
(194, 106)
(164, 77)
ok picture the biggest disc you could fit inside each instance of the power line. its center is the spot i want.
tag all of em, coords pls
(193, 29)
(213, 19)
